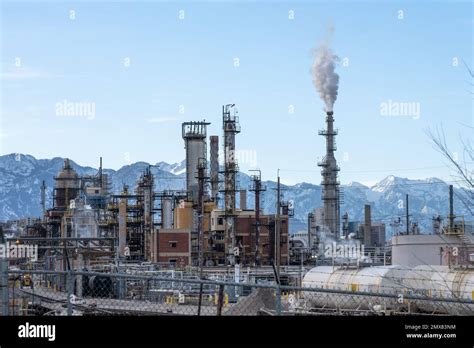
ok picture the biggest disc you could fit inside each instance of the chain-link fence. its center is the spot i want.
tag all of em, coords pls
(340, 302)
(92, 293)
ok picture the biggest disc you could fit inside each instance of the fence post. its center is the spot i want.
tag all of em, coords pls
(70, 289)
(4, 286)
(200, 299)
(220, 300)
(278, 300)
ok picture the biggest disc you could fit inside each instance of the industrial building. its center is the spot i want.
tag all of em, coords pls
(138, 248)
(202, 226)
(450, 244)
(205, 232)
(218, 234)
(432, 249)
(89, 227)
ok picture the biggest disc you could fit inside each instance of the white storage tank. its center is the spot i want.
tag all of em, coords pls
(418, 281)
(440, 282)
(377, 279)
(167, 212)
(433, 283)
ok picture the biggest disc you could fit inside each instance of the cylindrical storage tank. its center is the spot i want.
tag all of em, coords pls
(418, 280)
(378, 279)
(167, 212)
(438, 283)
(194, 135)
(195, 149)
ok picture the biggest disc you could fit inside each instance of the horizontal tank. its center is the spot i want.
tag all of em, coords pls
(370, 279)
(440, 282)
(418, 280)
(380, 279)
(433, 283)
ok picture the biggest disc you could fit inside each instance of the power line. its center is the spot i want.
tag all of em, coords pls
(400, 185)
(374, 170)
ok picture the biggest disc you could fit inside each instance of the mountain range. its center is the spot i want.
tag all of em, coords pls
(21, 177)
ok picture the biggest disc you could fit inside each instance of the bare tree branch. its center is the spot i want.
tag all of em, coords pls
(439, 142)
(462, 168)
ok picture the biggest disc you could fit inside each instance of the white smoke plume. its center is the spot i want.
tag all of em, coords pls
(325, 78)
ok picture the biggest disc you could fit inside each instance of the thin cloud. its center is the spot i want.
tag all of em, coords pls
(24, 73)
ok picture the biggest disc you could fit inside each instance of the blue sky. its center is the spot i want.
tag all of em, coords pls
(185, 69)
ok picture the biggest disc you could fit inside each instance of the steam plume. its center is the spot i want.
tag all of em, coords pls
(325, 78)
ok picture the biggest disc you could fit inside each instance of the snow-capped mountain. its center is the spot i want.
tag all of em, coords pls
(427, 198)
(175, 168)
(21, 177)
(129, 174)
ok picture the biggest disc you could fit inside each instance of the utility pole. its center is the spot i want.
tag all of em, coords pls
(257, 188)
(100, 174)
(407, 215)
(277, 229)
(311, 229)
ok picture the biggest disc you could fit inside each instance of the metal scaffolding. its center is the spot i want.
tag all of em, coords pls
(231, 128)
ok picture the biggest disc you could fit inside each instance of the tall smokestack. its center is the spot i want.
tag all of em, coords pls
(330, 194)
(194, 135)
(100, 173)
(214, 166)
(367, 226)
(326, 82)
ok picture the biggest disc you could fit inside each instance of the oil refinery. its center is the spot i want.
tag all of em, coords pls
(172, 248)
(122, 89)
(201, 250)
